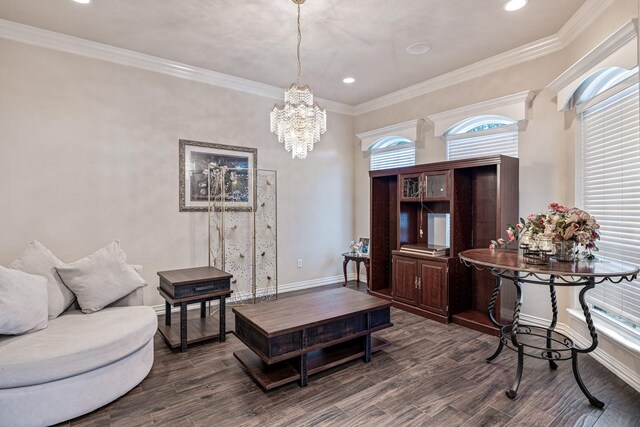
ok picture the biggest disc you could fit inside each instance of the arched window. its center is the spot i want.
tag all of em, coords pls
(482, 136)
(392, 152)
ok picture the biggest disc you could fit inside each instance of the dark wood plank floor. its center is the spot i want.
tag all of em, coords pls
(432, 374)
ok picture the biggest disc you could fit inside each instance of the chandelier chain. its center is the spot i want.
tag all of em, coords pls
(298, 49)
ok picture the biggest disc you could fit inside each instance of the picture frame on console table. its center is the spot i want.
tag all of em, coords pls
(365, 245)
(195, 158)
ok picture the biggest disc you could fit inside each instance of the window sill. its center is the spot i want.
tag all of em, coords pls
(610, 329)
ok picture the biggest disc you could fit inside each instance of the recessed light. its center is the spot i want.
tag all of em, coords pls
(418, 48)
(82, 1)
(348, 80)
(512, 5)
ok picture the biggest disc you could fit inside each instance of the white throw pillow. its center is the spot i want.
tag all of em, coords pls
(37, 259)
(23, 302)
(101, 278)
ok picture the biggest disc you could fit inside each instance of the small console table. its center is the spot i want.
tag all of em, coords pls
(357, 258)
(189, 286)
(536, 341)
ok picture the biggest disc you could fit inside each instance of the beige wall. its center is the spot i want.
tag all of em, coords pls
(89, 154)
(546, 147)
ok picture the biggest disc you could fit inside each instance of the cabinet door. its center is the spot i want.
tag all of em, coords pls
(433, 286)
(436, 185)
(405, 280)
(410, 187)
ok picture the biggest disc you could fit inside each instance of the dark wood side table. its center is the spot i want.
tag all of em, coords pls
(357, 258)
(535, 340)
(180, 288)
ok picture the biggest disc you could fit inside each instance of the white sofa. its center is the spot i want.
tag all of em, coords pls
(79, 363)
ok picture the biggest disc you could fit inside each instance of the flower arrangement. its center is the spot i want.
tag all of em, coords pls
(560, 224)
(563, 224)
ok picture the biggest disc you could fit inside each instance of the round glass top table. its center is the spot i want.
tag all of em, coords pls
(537, 341)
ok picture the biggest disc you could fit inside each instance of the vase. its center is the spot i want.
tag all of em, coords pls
(565, 250)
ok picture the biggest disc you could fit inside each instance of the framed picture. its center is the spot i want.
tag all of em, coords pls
(364, 250)
(195, 158)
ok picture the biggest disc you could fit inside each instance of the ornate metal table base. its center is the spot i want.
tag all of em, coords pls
(557, 346)
(537, 341)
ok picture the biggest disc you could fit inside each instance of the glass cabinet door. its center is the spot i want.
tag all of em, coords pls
(435, 186)
(410, 187)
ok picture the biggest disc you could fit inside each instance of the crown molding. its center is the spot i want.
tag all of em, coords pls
(579, 21)
(61, 42)
(501, 61)
(409, 129)
(584, 16)
(514, 106)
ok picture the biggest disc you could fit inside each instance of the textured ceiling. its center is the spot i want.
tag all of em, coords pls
(255, 39)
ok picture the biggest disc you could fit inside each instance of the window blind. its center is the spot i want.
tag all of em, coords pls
(611, 193)
(502, 140)
(393, 157)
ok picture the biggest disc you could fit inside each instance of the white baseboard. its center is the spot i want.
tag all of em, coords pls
(287, 287)
(622, 371)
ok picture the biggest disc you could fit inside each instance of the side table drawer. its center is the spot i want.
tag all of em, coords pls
(193, 289)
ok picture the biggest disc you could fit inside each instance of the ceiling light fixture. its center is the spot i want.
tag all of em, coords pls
(348, 80)
(512, 5)
(82, 1)
(299, 122)
(418, 48)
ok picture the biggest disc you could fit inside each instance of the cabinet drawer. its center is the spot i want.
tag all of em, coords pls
(195, 289)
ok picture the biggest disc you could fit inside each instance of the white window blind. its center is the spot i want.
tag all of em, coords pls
(611, 193)
(393, 157)
(502, 140)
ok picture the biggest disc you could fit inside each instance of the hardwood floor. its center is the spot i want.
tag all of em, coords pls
(431, 374)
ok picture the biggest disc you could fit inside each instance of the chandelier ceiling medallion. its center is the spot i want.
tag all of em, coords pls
(299, 122)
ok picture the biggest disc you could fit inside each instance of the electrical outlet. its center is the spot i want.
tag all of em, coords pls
(299, 263)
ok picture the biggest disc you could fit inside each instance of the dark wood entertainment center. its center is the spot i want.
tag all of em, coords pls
(481, 197)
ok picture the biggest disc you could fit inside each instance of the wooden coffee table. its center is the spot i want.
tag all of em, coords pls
(292, 338)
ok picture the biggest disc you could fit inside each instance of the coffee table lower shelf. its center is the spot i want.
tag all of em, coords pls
(281, 373)
(199, 329)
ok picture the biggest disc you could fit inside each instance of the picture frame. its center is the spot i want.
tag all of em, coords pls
(194, 160)
(364, 250)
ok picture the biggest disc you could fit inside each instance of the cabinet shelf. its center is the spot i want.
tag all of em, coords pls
(477, 320)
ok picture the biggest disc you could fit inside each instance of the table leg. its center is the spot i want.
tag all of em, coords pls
(366, 271)
(367, 348)
(492, 304)
(183, 327)
(358, 272)
(203, 309)
(223, 318)
(167, 314)
(304, 376)
(513, 393)
(594, 343)
(554, 309)
(344, 270)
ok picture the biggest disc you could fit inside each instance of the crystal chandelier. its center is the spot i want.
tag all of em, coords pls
(299, 122)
